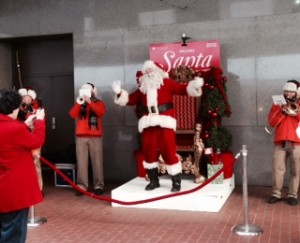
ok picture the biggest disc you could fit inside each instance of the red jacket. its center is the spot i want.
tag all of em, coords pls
(82, 126)
(19, 186)
(285, 125)
(165, 95)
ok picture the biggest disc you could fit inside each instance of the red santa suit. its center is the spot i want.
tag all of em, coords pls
(157, 123)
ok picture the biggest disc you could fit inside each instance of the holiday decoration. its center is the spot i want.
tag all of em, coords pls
(228, 160)
(182, 73)
(214, 105)
(212, 169)
(218, 138)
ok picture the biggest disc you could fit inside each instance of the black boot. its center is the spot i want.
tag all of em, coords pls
(153, 176)
(176, 183)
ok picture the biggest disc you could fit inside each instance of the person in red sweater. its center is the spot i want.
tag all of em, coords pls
(157, 122)
(88, 112)
(19, 188)
(286, 144)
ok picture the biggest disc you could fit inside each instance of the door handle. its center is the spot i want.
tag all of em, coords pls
(53, 123)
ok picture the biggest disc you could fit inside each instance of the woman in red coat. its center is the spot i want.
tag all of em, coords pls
(19, 188)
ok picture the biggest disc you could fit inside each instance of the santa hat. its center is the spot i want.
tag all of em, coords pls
(293, 86)
(90, 86)
(155, 67)
(29, 92)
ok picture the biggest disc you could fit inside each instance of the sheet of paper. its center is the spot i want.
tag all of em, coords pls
(278, 100)
(85, 92)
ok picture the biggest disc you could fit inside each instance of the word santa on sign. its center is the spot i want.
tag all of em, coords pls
(200, 55)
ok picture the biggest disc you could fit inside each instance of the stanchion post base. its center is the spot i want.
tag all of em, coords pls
(36, 221)
(250, 230)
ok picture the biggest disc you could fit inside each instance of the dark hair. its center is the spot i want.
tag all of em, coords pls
(293, 81)
(9, 101)
(93, 86)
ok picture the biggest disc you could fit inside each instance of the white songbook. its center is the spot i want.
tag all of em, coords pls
(278, 100)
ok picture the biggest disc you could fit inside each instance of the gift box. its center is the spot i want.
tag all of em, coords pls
(212, 169)
(68, 170)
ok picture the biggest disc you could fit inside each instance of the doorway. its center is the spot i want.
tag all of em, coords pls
(45, 64)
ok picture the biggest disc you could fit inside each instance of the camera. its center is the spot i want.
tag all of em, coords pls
(82, 93)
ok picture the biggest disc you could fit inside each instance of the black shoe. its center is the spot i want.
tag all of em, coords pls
(273, 199)
(99, 191)
(152, 185)
(176, 183)
(176, 187)
(292, 201)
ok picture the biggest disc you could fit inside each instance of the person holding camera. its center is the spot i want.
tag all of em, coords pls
(88, 112)
(29, 106)
(19, 188)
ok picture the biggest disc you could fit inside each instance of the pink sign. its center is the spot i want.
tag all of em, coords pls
(201, 54)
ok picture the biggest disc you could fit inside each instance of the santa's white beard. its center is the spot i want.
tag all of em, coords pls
(150, 81)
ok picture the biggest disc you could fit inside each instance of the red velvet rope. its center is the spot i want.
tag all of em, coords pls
(107, 199)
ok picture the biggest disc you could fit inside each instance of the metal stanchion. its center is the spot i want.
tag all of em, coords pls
(246, 229)
(32, 221)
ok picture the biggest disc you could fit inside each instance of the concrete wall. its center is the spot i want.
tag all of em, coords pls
(259, 49)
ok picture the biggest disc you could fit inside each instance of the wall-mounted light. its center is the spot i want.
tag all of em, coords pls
(184, 38)
(297, 2)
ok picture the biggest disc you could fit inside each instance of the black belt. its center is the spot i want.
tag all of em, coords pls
(156, 109)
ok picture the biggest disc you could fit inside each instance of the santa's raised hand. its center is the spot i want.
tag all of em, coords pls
(121, 95)
(116, 87)
(194, 87)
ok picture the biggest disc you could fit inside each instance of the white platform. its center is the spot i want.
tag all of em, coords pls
(209, 198)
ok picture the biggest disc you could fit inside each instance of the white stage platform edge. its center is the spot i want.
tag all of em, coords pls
(210, 198)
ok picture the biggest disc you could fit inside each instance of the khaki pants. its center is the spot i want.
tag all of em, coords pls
(38, 168)
(36, 159)
(279, 168)
(84, 147)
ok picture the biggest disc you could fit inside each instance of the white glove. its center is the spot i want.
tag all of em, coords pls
(40, 114)
(116, 87)
(194, 87)
(29, 120)
(198, 83)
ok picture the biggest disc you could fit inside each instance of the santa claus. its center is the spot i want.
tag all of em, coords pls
(157, 123)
